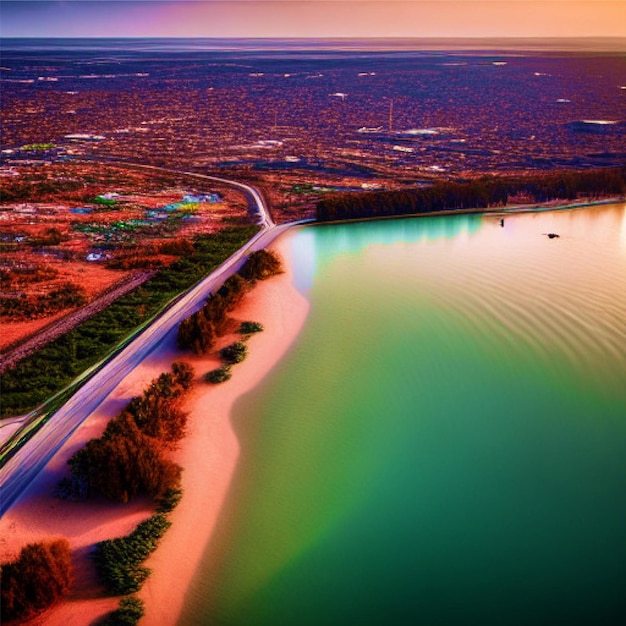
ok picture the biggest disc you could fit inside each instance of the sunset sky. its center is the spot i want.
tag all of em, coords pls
(313, 18)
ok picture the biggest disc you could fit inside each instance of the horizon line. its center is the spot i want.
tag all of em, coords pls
(302, 38)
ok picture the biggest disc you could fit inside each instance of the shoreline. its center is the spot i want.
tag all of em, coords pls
(208, 455)
(210, 450)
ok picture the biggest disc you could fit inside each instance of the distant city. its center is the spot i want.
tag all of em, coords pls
(368, 115)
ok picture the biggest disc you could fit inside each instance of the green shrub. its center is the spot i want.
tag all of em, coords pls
(118, 561)
(247, 328)
(103, 201)
(220, 375)
(170, 500)
(235, 352)
(130, 611)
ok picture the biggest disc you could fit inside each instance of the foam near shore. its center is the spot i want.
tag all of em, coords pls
(208, 455)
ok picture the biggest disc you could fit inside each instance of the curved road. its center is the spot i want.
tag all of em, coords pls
(31, 458)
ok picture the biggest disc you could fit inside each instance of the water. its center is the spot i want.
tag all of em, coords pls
(446, 443)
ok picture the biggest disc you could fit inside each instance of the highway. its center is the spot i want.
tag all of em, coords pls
(32, 457)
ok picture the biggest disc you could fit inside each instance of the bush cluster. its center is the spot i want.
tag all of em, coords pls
(235, 352)
(261, 265)
(231, 354)
(15, 274)
(200, 330)
(219, 375)
(42, 574)
(128, 459)
(21, 189)
(118, 561)
(64, 296)
(247, 328)
(129, 613)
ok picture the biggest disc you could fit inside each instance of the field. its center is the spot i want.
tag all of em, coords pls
(71, 234)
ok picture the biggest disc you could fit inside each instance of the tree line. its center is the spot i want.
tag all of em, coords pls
(200, 331)
(476, 194)
(66, 295)
(128, 459)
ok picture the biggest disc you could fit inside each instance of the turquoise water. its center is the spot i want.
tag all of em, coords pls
(446, 442)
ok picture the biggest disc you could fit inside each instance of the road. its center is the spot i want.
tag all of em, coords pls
(33, 456)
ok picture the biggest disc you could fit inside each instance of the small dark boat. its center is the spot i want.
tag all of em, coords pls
(553, 235)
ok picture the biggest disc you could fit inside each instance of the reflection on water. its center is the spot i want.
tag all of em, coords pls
(446, 444)
(313, 246)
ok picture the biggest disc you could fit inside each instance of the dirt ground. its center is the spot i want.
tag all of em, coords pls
(95, 226)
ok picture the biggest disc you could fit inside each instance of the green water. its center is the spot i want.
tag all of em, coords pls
(445, 444)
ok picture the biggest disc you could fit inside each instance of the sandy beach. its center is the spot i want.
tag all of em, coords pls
(208, 455)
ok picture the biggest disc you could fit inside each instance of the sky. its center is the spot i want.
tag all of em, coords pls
(313, 18)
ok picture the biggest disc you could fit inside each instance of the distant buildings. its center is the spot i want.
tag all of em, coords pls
(597, 127)
(458, 111)
(84, 137)
(197, 199)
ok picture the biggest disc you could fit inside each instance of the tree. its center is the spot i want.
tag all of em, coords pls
(41, 575)
(183, 374)
(261, 265)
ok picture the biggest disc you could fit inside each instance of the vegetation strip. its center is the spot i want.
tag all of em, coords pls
(118, 561)
(125, 461)
(25, 347)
